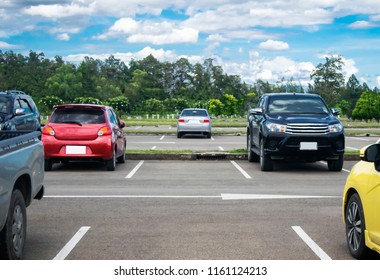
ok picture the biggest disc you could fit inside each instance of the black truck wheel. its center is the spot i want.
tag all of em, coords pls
(266, 163)
(13, 235)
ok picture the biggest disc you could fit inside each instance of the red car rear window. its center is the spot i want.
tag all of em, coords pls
(74, 115)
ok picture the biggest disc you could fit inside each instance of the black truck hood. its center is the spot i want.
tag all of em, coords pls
(288, 119)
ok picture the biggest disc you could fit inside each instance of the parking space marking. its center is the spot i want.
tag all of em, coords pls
(310, 242)
(352, 148)
(162, 137)
(343, 169)
(154, 147)
(134, 170)
(212, 138)
(155, 142)
(226, 196)
(223, 196)
(133, 196)
(242, 171)
(220, 148)
(71, 244)
(362, 139)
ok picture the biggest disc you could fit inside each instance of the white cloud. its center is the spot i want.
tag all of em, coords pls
(5, 45)
(115, 8)
(216, 38)
(361, 24)
(271, 45)
(157, 33)
(57, 11)
(270, 69)
(220, 27)
(63, 37)
(253, 54)
(375, 17)
(159, 54)
(348, 67)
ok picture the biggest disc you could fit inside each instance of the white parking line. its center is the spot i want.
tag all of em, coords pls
(71, 244)
(358, 138)
(134, 170)
(220, 148)
(246, 175)
(162, 137)
(132, 196)
(154, 147)
(212, 138)
(309, 242)
(270, 196)
(352, 148)
(345, 170)
(153, 142)
(223, 196)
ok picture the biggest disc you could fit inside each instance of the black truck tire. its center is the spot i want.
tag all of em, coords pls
(13, 235)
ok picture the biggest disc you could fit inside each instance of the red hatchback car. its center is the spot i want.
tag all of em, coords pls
(84, 132)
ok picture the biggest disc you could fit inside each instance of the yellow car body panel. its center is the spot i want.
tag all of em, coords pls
(364, 179)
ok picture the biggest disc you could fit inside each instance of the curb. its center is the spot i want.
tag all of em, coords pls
(205, 156)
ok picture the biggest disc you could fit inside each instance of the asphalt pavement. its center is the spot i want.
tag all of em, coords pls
(190, 210)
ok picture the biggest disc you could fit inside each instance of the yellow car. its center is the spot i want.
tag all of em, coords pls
(361, 204)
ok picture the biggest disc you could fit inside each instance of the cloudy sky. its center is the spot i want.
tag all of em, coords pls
(262, 39)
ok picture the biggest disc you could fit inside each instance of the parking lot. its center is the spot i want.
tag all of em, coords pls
(158, 210)
(216, 143)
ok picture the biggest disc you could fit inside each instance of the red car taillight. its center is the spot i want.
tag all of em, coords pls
(206, 120)
(104, 131)
(48, 131)
(181, 120)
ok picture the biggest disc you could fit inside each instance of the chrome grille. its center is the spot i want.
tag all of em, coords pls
(307, 128)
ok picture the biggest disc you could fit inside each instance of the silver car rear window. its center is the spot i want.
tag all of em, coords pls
(194, 113)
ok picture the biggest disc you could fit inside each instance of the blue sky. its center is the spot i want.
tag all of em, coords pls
(267, 39)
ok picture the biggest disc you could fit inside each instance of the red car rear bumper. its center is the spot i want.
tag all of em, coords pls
(100, 148)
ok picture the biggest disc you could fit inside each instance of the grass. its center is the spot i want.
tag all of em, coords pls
(159, 151)
(352, 127)
(235, 151)
(235, 122)
(352, 152)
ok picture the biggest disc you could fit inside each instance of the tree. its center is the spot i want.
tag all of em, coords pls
(328, 79)
(87, 100)
(154, 106)
(351, 94)
(91, 75)
(48, 102)
(176, 104)
(119, 104)
(345, 107)
(65, 84)
(367, 107)
(215, 107)
(247, 102)
(229, 104)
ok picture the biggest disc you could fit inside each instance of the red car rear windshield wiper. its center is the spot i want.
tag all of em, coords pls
(73, 122)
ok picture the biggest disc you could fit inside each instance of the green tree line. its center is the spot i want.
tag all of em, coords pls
(149, 86)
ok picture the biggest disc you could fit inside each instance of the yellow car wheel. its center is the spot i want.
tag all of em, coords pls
(355, 227)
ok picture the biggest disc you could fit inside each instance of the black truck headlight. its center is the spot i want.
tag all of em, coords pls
(335, 128)
(276, 127)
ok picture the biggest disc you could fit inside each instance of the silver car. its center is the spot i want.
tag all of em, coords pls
(194, 121)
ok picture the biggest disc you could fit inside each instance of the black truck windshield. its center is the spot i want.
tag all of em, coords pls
(296, 105)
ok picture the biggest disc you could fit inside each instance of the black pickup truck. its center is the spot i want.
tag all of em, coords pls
(295, 127)
(21, 181)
